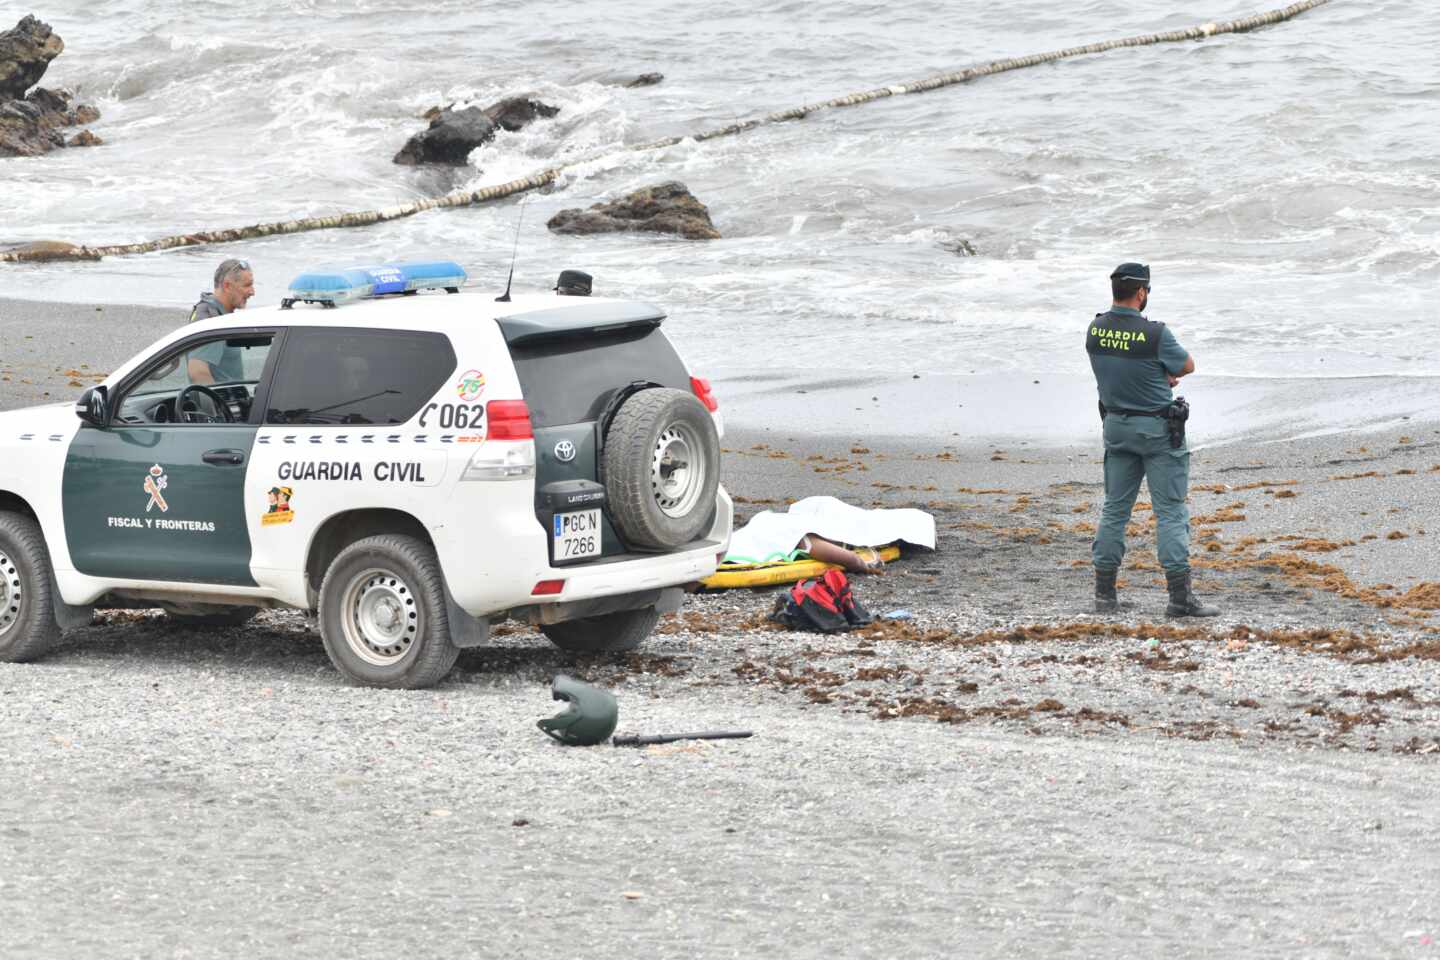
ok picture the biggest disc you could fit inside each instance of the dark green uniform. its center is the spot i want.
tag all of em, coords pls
(1131, 356)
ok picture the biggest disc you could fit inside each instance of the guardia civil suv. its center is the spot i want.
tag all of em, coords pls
(413, 466)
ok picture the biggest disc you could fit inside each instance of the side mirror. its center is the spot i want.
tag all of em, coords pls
(94, 406)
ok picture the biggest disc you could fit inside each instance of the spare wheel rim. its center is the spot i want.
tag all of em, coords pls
(380, 617)
(677, 470)
(12, 592)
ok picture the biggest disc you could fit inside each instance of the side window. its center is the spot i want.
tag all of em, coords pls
(228, 366)
(341, 376)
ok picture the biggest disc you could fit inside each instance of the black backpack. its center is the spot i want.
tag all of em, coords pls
(823, 605)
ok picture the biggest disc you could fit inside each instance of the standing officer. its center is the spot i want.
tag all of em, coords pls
(1136, 362)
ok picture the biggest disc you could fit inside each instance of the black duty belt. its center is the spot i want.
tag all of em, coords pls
(1174, 415)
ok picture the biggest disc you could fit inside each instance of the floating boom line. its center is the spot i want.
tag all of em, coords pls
(466, 198)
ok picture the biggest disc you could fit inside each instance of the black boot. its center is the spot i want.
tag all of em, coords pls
(1106, 599)
(1183, 602)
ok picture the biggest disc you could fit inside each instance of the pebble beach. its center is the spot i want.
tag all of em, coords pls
(887, 291)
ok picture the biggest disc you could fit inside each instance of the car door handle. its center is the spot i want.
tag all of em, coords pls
(224, 458)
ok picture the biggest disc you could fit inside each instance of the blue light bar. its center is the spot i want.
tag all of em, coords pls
(331, 288)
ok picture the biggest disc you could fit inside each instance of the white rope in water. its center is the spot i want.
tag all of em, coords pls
(464, 198)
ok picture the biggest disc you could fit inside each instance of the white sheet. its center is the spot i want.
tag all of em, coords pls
(771, 536)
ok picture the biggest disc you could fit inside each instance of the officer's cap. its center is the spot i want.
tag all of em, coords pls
(1132, 271)
(575, 283)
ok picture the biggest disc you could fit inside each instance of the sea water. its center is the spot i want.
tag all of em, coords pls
(1284, 185)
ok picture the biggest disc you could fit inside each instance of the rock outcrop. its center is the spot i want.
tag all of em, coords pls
(31, 123)
(25, 53)
(663, 208)
(452, 133)
(646, 80)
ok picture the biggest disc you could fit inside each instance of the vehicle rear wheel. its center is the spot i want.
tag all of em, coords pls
(27, 619)
(606, 633)
(662, 468)
(383, 614)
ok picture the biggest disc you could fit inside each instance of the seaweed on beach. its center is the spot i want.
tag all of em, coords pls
(1230, 513)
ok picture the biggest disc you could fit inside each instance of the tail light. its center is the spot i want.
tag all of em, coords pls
(701, 388)
(547, 588)
(508, 420)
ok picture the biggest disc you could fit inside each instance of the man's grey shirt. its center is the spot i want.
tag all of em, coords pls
(225, 361)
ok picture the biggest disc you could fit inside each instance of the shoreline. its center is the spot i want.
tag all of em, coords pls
(1360, 492)
(1040, 410)
(1059, 411)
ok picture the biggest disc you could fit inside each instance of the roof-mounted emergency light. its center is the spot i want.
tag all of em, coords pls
(333, 287)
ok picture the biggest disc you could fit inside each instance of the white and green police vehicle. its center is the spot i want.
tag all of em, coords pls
(412, 468)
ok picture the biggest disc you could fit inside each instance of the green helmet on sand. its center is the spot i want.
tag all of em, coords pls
(589, 717)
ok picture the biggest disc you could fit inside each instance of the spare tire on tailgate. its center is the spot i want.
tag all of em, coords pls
(662, 467)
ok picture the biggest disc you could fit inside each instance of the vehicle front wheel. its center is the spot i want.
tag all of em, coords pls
(27, 618)
(606, 633)
(383, 614)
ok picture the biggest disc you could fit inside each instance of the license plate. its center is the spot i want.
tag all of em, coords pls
(577, 535)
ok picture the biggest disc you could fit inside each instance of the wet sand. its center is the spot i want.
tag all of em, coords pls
(1327, 487)
(1348, 470)
(961, 409)
(1060, 409)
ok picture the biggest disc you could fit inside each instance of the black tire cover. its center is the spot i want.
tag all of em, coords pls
(662, 469)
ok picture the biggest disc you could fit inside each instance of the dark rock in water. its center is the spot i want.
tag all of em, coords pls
(25, 52)
(516, 113)
(449, 139)
(84, 139)
(33, 126)
(646, 80)
(30, 123)
(49, 101)
(663, 208)
(452, 133)
(961, 247)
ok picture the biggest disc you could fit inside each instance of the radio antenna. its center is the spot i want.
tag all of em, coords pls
(505, 297)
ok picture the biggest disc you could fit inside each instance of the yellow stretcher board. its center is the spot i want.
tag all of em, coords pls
(732, 575)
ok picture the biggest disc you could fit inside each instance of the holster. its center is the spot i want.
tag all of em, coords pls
(1175, 416)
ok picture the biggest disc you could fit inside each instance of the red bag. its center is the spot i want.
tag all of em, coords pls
(823, 605)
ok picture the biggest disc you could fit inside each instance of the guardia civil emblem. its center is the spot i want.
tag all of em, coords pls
(155, 484)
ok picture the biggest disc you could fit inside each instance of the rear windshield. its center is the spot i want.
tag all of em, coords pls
(569, 380)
